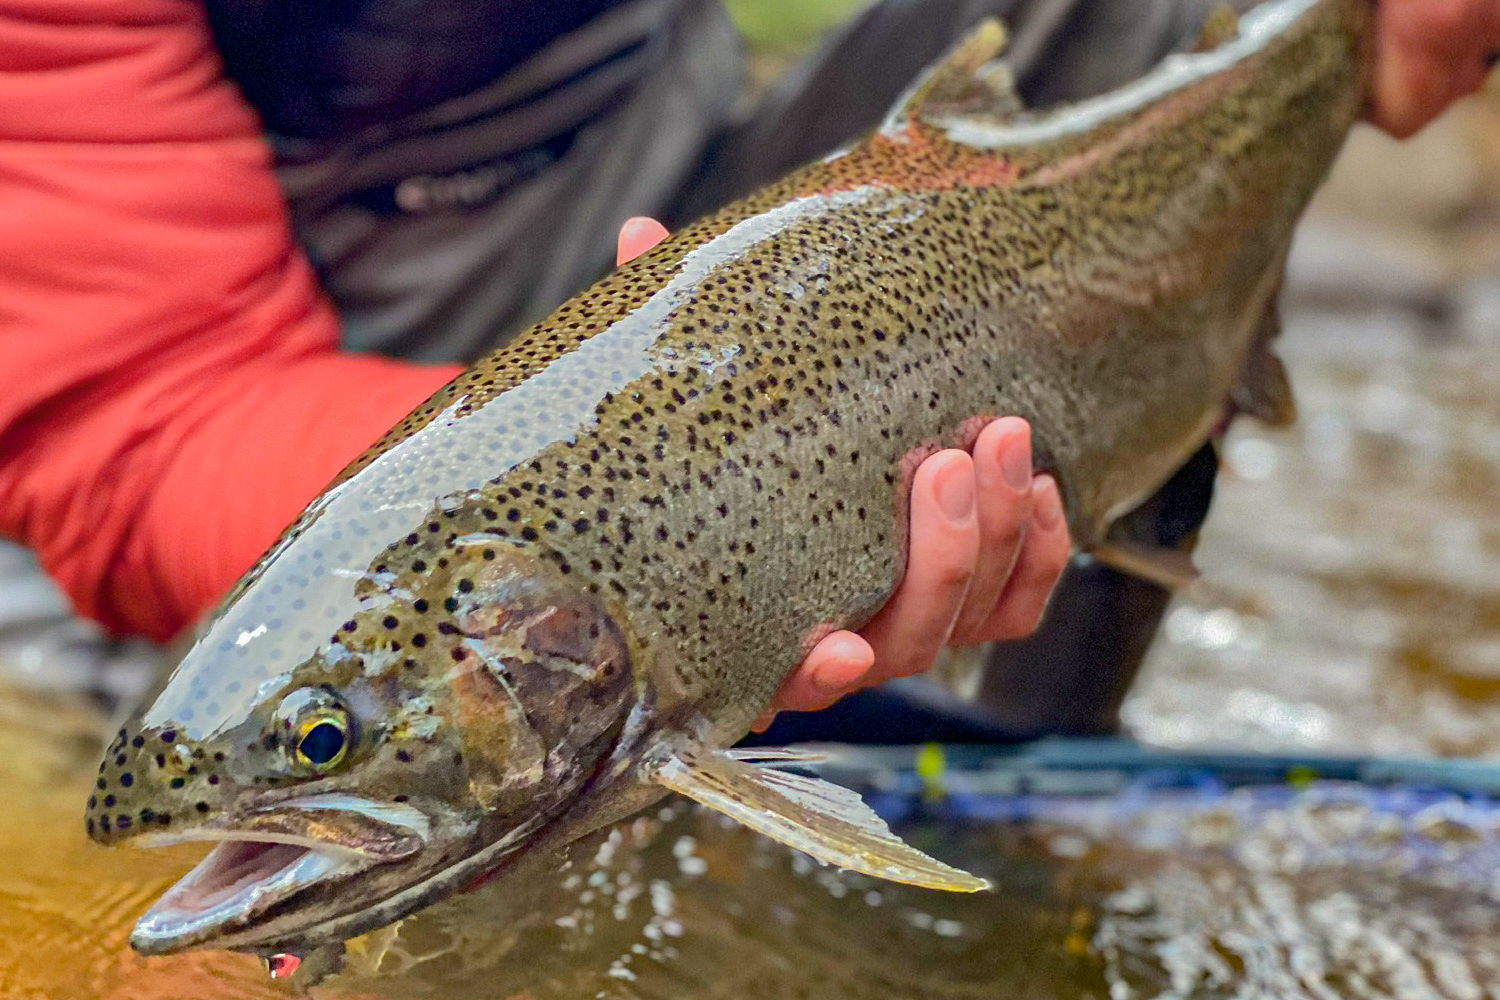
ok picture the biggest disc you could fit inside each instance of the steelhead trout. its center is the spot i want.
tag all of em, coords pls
(573, 577)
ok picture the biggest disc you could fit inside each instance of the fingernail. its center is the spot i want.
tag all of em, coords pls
(848, 660)
(955, 491)
(1015, 460)
(1049, 511)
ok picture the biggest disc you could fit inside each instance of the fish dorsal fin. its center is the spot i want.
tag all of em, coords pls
(970, 79)
(1221, 28)
(817, 817)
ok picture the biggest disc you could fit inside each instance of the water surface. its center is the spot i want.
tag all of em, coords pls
(1318, 892)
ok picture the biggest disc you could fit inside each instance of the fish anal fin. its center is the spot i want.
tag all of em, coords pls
(1264, 391)
(1221, 27)
(1171, 569)
(970, 79)
(827, 821)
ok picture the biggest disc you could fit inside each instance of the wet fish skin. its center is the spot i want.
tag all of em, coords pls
(605, 546)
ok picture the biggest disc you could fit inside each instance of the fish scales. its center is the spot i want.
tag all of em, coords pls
(628, 524)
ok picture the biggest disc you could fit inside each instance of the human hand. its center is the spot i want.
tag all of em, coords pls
(1429, 54)
(988, 542)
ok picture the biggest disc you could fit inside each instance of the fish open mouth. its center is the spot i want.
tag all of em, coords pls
(265, 859)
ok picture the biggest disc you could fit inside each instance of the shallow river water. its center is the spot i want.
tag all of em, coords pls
(1321, 891)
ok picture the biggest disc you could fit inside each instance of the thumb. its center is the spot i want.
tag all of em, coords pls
(637, 236)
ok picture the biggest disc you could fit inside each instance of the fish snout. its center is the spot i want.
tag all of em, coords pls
(153, 780)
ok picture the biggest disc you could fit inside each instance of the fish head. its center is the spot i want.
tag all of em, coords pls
(454, 713)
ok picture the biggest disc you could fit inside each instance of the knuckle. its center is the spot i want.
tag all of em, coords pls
(953, 576)
(1003, 543)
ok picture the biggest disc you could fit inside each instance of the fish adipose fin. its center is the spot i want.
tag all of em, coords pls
(970, 80)
(827, 821)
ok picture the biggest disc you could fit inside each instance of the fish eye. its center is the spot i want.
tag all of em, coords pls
(323, 739)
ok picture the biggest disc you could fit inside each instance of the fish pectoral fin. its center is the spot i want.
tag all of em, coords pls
(1221, 28)
(969, 80)
(1264, 391)
(827, 821)
(1171, 569)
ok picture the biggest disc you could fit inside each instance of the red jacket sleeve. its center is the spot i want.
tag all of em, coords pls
(171, 388)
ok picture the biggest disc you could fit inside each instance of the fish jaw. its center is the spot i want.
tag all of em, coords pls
(300, 853)
(616, 787)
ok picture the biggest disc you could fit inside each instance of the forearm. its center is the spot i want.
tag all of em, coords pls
(174, 390)
(146, 502)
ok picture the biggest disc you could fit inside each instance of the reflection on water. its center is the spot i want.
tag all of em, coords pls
(1327, 891)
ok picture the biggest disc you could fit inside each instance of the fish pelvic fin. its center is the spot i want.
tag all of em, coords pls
(1173, 570)
(1170, 569)
(969, 80)
(827, 821)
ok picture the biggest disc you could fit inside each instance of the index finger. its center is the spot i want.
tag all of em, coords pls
(1429, 54)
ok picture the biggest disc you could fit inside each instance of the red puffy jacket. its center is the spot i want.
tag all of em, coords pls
(172, 391)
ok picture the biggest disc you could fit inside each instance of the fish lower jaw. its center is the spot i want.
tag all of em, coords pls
(238, 882)
(264, 857)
